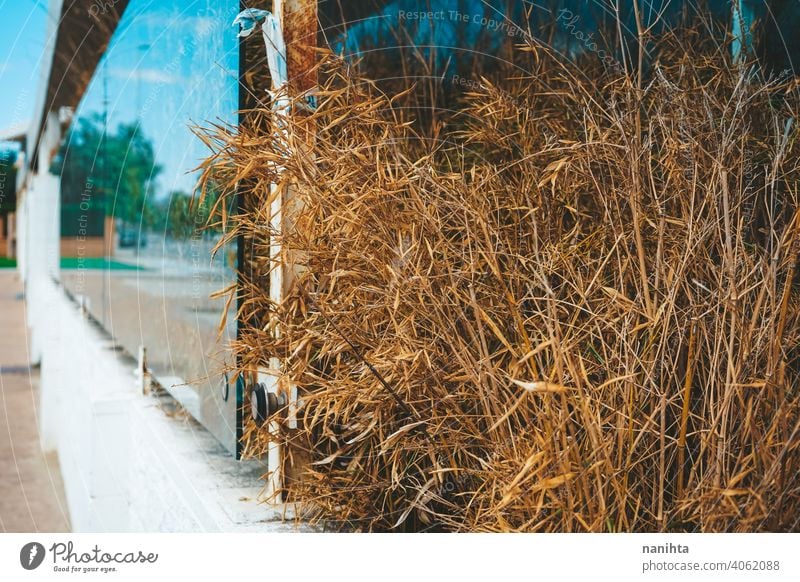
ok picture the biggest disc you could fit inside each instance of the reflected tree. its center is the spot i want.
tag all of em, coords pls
(112, 174)
(185, 216)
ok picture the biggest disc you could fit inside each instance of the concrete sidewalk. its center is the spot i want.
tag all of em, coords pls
(31, 490)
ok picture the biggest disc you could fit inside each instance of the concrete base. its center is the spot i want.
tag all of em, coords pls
(133, 462)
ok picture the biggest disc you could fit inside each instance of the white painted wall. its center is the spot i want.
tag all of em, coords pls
(128, 462)
(39, 218)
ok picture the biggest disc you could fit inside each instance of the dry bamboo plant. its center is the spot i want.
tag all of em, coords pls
(575, 310)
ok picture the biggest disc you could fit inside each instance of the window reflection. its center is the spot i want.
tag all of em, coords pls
(134, 247)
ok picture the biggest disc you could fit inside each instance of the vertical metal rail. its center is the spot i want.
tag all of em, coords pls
(298, 23)
(276, 291)
(240, 246)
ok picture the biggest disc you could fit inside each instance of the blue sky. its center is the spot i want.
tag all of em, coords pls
(22, 39)
(170, 64)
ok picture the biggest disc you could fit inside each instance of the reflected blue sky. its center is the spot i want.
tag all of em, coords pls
(22, 39)
(171, 64)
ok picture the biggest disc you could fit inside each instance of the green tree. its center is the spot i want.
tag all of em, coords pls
(8, 180)
(116, 174)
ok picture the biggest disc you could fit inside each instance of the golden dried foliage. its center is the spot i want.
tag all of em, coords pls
(576, 309)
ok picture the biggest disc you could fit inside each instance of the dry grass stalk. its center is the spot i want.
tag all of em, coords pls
(587, 327)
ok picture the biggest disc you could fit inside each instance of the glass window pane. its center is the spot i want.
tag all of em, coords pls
(134, 245)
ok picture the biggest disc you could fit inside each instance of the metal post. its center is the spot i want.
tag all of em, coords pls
(298, 22)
